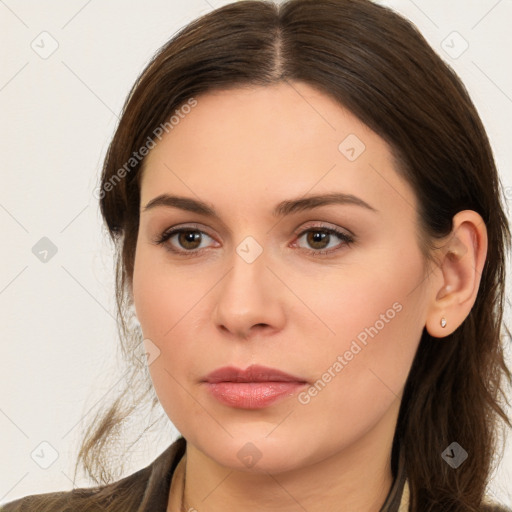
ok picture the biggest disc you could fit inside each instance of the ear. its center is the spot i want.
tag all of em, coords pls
(455, 285)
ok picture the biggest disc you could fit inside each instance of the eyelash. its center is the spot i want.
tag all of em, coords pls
(346, 239)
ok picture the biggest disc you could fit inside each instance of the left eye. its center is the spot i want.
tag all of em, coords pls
(318, 236)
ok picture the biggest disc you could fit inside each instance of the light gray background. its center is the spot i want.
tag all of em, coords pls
(58, 113)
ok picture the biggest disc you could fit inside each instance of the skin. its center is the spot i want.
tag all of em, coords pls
(243, 151)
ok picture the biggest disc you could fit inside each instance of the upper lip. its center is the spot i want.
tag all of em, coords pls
(254, 373)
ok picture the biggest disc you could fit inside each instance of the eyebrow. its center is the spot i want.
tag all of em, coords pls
(282, 209)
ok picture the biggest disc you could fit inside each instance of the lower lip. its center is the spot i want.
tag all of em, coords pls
(252, 395)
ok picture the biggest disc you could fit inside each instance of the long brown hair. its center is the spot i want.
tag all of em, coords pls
(377, 65)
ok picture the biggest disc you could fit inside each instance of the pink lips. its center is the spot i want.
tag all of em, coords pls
(253, 388)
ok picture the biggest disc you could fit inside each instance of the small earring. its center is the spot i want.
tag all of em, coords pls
(443, 322)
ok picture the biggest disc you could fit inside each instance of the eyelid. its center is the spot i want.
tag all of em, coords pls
(317, 224)
(345, 236)
(192, 226)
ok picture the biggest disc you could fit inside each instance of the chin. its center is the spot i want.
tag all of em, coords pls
(256, 454)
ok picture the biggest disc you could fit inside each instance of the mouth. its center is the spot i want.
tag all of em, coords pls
(255, 387)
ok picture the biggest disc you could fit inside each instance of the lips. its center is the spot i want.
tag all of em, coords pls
(254, 373)
(255, 387)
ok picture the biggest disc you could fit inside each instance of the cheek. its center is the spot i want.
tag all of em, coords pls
(376, 311)
(164, 302)
(159, 294)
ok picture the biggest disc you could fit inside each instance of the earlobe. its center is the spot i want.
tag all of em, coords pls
(461, 260)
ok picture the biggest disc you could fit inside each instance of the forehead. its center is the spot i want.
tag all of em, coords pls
(282, 140)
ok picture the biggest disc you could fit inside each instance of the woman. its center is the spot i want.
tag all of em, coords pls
(311, 234)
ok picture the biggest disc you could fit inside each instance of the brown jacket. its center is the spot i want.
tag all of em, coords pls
(147, 490)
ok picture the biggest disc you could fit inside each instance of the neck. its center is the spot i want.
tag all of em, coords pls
(357, 477)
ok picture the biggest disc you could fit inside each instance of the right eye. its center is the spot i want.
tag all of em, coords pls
(187, 237)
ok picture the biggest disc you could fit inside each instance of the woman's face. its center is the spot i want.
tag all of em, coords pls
(264, 281)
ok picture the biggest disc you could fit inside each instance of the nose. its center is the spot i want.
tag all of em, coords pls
(249, 300)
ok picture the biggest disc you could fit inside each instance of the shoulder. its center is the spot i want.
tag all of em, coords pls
(63, 501)
(143, 490)
(83, 499)
(48, 502)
